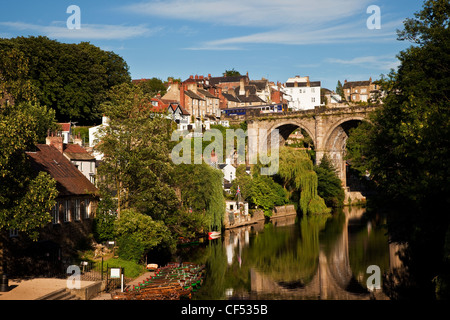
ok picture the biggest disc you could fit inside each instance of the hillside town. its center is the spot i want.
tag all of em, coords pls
(198, 102)
(121, 181)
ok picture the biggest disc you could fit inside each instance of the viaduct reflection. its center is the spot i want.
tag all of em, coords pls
(308, 269)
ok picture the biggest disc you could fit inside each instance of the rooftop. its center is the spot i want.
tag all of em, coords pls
(69, 180)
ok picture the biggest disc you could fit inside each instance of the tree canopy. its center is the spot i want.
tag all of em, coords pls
(406, 150)
(72, 79)
(25, 196)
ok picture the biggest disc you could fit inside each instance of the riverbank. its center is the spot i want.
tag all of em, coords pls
(258, 216)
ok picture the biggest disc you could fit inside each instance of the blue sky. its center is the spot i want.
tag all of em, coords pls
(327, 40)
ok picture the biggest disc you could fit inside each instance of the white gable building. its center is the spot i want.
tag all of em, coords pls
(302, 94)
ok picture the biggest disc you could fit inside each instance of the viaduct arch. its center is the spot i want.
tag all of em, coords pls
(328, 129)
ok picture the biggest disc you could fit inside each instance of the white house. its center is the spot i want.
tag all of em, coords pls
(94, 136)
(302, 94)
(181, 117)
(229, 171)
(82, 159)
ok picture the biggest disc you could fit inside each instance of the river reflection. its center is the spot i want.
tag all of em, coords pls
(298, 258)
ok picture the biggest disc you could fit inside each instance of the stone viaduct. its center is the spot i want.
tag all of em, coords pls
(327, 127)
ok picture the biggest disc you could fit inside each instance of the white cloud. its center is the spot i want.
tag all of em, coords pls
(255, 13)
(354, 32)
(376, 62)
(59, 30)
(289, 22)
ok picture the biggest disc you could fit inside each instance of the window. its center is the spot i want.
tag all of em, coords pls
(13, 233)
(87, 209)
(313, 90)
(77, 210)
(66, 210)
(313, 99)
(363, 90)
(55, 213)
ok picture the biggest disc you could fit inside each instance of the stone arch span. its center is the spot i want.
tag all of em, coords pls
(335, 144)
(286, 127)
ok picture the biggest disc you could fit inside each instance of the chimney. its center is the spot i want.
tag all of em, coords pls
(196, 77)
(55, 140)
(345, 81)
(191, 77)
(77, 140)
(209, 75)
(241, 87)
(105, 120)
(182, 95)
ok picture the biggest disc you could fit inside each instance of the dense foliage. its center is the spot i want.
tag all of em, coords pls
(406, 150)
(201, 193)
(297, 171)
(25, 196)
(72, 79)
(329, 186)
(137, 233)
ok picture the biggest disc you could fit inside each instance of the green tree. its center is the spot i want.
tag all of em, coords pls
(340, 90)
(329, 185)
(72, 79)
(297, 171)
(137, 233)
(201, 193)
(244, 181)
(266, 194)
(231, 73)
(357, 147)
(14, 72)
(407, 147)
(26, 197)
(152, 87)
(136, 163)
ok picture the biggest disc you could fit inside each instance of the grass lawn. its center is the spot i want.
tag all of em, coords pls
(132, 269)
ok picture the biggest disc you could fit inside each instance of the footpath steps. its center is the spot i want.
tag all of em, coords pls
(61, 294)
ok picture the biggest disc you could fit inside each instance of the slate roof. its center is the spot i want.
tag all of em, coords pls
(259, 84)
(193, 95)
(216, 80)
(206, 93)
(303, 84)
(351, 84)
(230, 97)
(69, 180)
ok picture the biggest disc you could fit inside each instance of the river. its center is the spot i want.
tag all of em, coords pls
(298, 258)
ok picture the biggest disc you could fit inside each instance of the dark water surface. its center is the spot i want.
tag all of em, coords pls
(298, 258)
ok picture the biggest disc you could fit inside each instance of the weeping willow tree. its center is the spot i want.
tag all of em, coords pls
(297, 171)
(216, 208)
(201, 193)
